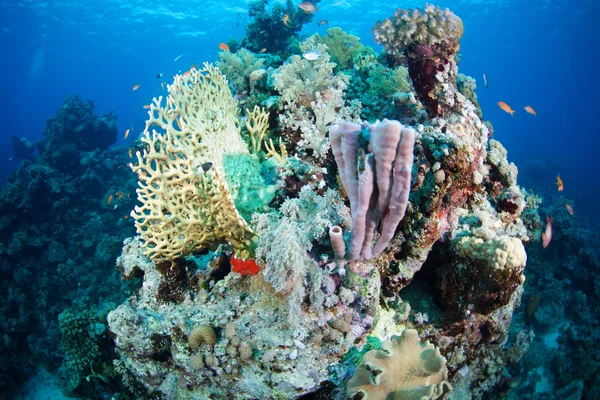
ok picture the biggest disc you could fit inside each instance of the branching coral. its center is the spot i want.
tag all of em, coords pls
(257, 125)
(186, 202)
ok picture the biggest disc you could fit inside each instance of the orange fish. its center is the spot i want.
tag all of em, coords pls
(126, 134)
(136, 87)
(547, 234)
(559, 184)
(286, 20)
(307, 7)
(263, 50)
(187, 73)
(147, 107)
(125, 216)
(506, 108)
(223, 47)
(120, 195)
(130, 153)
(128, 195)
(569, 208)
(109, 200)
(530, 110)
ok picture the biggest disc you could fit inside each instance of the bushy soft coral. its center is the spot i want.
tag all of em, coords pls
(313, 98)
(238, 67)
(343, 47)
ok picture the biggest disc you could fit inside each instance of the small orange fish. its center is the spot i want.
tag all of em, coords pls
(120, 195)
(109, 200)
(506, 108)
(130, 153)
(530, 110)
(125, 216)
(569, 208)
(136, 87)
(547, 234)
(263, 50)
(128, 195)
(126, 134)
(559, 184)
(307, 7)
(286, 20)
(147, 107)
(223, 47)
(187, 73)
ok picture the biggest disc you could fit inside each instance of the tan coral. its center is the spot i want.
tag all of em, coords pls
(186, 202)
(257, 125)
(404, 369)
(202, 334)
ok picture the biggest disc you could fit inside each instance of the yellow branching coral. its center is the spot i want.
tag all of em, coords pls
(186, 201)
(257, 125)
(272, 151)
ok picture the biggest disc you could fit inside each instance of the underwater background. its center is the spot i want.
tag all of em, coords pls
(64, 219)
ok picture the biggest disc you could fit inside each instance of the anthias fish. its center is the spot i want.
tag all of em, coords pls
(547, 234)
(559, 184)
(136, 87)
(223, 47)
(307, 7)
(506, 108)
(530, 110)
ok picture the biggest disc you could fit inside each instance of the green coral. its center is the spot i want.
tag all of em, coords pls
(248, 189)
(343, 47)
(237, 68)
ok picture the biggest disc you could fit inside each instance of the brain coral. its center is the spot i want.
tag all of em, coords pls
(202, 334)
(404, 369)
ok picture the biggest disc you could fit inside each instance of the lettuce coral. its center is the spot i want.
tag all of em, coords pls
(404, 368)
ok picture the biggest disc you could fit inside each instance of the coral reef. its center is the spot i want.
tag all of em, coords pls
(289, 314)
(58, 242)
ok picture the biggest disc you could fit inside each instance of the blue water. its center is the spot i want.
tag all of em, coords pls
(538, 53)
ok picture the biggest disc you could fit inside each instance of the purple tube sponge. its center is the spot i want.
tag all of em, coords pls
(377, 182)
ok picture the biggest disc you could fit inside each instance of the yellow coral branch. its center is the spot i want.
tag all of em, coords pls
(257, 125)
(272, 152)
